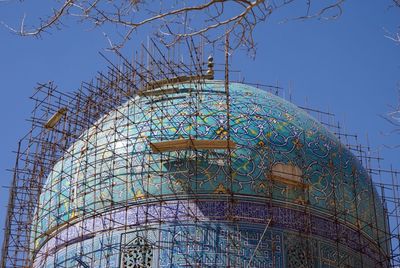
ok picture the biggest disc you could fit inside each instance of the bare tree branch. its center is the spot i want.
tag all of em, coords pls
(393, 117)
(393, 36)
(175, 19)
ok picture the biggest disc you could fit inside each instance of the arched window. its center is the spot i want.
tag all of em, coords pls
(137, 254)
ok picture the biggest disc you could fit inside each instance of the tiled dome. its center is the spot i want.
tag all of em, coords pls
(169, 154)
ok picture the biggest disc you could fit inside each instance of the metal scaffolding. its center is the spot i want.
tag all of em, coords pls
(61, 119)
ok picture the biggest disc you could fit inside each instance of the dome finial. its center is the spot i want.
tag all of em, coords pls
(210, 64)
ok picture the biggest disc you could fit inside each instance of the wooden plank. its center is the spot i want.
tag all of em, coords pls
(177, 80)
(175, 90)
(162, 92)
(55, 118)
(191, 144)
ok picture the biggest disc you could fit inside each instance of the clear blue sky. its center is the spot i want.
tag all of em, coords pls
(347, 65)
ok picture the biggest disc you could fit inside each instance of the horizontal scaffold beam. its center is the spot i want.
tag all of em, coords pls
(191, 144)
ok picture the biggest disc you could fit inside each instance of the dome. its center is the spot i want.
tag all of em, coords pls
(163, 176)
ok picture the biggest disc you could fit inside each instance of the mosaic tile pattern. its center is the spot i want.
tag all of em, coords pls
(112, 168)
